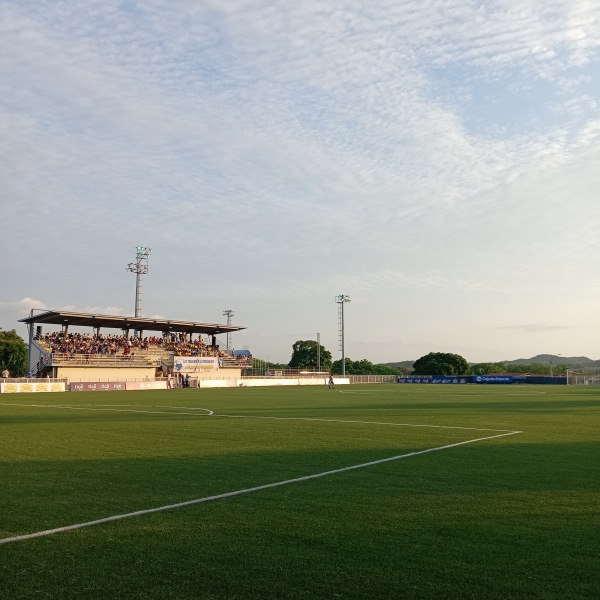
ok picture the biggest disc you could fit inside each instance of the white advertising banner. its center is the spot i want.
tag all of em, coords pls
(146, 385)
(37, 387)
(195, 364)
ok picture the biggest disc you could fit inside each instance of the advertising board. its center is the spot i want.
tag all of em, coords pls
(195, 364)
(146, 385)
(33, 387)
(492, 379)
(458, 379)
(436, 379)
(98, 386)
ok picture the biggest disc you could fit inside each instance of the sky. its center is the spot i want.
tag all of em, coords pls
(438, 161)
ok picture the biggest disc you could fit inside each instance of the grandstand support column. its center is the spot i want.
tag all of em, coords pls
(341, 300)
(139, 267)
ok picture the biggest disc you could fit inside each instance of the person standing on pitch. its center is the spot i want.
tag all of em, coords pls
(331, 386)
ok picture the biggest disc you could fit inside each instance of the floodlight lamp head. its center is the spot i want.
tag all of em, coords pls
(342, 298)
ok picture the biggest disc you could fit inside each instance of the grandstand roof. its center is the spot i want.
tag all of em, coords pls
(74, 319)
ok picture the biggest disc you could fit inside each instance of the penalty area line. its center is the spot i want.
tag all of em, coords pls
(138, 513)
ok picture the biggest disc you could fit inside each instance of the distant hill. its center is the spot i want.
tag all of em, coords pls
(546, 359)
(540, 359)
(406, 364)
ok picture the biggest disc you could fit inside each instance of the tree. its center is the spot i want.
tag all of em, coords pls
(441, 363)
(487, 368)
(304, 356)
(336, 367)
(362, 367)
(380, 369)
(259, 363)
(532, 368)
(13, 353)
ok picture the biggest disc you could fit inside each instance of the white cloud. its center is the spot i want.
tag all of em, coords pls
(265, 150)
(23, 306)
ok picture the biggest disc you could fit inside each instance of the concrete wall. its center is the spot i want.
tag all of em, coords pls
(223, 373)
(269, 382)
(105, 373)
(115, 377)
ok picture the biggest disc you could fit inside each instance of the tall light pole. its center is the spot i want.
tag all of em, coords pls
(341, 300)
(551, 365)
(139, 267)
(318, 352)
(228, 313)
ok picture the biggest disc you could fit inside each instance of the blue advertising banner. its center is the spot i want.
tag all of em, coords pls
(436, 379)
(450, 379)
(414, 379)
(492, 379)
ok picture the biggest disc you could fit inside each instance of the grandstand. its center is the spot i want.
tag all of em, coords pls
(131, 354)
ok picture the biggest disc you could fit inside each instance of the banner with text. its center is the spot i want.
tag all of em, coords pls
(435, 379)
(98, 386)
(492, 379)
(146, 385)
(195, 364)
(17, 388)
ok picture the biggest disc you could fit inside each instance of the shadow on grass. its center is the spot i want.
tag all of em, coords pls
(39, 495)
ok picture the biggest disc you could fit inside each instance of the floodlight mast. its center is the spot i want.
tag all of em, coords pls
(228, 313)
(341, 300)
(139, 267)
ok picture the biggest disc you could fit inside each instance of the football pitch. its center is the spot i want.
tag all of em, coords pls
(362, 492)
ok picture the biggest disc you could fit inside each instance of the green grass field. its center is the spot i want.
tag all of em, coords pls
(516, 516)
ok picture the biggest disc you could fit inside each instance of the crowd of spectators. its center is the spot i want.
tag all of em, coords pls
(180, 344)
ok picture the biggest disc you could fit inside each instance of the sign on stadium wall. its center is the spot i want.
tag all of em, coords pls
(434, 379)
(195, 364)
(41, 387)
(98, 386)
(458, 379)
(492, 379)
(146, 385)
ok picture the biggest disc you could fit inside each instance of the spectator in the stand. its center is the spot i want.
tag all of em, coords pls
(71, 344)
(5, 373)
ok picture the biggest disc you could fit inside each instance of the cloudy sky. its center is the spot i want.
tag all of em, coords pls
(436, 160)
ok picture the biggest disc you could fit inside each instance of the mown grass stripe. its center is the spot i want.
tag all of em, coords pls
(148, 511)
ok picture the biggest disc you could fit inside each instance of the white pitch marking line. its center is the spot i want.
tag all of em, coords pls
(258, 488)
(365, 392)
(151, 406)
(507, 431)
(129, 410)
(210, 413)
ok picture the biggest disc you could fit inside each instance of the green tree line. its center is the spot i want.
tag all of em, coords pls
(304, 357)
(13, 354)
